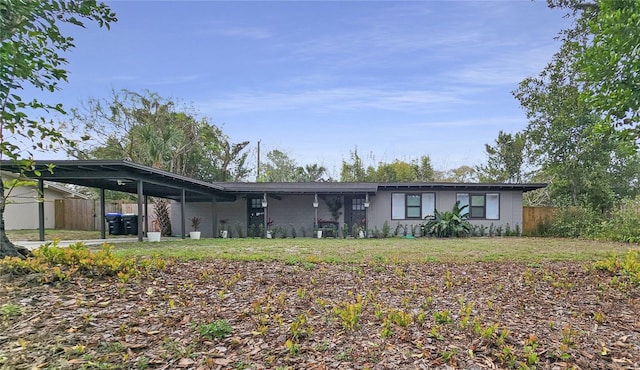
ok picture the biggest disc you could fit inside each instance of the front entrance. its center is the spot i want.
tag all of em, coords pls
(255, 223)
(355, 212)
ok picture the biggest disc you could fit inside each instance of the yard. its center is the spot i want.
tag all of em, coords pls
(333, 303)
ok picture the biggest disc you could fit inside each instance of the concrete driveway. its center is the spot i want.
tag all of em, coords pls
(30, 244)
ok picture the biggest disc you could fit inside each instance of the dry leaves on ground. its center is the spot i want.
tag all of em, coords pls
(317, 316)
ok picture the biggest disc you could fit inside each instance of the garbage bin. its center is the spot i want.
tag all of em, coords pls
(130, 222)
(116, 226)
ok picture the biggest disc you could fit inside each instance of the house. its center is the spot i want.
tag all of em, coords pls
(249, 208)
(21, 211)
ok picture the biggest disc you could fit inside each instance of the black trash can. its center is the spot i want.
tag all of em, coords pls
(130, 222)
(116, 226)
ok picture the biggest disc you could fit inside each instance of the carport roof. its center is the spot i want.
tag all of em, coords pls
(120, 175)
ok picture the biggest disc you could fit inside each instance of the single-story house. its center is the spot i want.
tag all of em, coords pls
(245, 208)
(249, 207)
(21, 211)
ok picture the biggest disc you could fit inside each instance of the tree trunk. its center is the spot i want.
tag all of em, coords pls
(162, 215)
(7, 248)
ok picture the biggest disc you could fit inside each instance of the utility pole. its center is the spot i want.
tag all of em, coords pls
(258, 171)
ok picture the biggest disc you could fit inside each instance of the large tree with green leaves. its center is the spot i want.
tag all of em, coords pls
(585, 159)
(148, 129)
(280, 167)
(504, 159)
(610, 62)
(31, 56)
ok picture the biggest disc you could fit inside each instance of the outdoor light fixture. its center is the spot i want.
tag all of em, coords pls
(264, 201)
(366, 200)
(121, 182)
(315, 201)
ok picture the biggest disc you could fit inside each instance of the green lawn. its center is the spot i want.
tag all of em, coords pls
(391, 249)
(527, 249)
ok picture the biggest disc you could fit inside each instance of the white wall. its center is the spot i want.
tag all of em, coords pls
(22, 210)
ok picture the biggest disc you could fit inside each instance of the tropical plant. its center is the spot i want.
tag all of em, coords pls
(195, 223)
(447, 224)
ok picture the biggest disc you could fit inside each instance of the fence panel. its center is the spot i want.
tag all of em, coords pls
(532, 217)
(75, 214)
(82, 214)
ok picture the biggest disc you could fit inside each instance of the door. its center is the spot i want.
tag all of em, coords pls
(255, 223)
(355, 212)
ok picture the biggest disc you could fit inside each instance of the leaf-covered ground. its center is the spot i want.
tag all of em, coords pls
(319, 316)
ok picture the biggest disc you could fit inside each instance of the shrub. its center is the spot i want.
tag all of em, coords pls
(447, 224)
(575, 222)
(623, 224)
(386, 229)
(60, 264)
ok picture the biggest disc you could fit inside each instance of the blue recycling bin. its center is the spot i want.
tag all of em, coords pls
(116, 226)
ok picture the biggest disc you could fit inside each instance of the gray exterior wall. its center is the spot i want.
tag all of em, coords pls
(297, 211)
(380, 209)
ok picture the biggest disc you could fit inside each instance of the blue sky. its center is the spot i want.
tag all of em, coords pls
(317, 78)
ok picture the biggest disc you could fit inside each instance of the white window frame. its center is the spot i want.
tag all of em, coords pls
(399, 207)
(494, 207)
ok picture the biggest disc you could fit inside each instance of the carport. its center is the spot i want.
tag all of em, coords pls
(123, 176)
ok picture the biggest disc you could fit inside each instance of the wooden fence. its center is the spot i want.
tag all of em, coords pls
(533, 217)
(83, 214)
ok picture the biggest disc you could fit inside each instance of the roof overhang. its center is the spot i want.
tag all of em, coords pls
(416, 186)
(121, 176)
(125, 176)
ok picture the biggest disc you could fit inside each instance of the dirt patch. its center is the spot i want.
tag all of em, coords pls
(308, 315)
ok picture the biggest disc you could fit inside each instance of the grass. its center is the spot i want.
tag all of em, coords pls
(295, 250)
(392, 249)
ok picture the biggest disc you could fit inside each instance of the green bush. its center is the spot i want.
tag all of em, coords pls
(575, 222)
(623, 224)
(447, 224)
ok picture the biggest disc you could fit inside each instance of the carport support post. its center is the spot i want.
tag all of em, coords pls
(41, 209)
(183, 223)
(146, 214)
(102, 215)
(140, 210)
(214, 217)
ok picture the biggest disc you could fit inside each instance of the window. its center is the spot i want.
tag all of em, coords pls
(412, 206)
(414, 209)
(357, 204)
(480, 205)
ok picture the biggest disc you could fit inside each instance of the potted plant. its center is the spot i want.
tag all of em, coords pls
(154, 235)
(195, 225)
(224, 233)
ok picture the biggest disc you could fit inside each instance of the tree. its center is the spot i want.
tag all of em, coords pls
(279, 168)
(423, 169)
(353, 171)
(282, 168)
(311, 172)
(31, 55)
(587, 162)
(504, 162)
(396, 171)
(610, 63)
(463, 173)
(150, 130)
